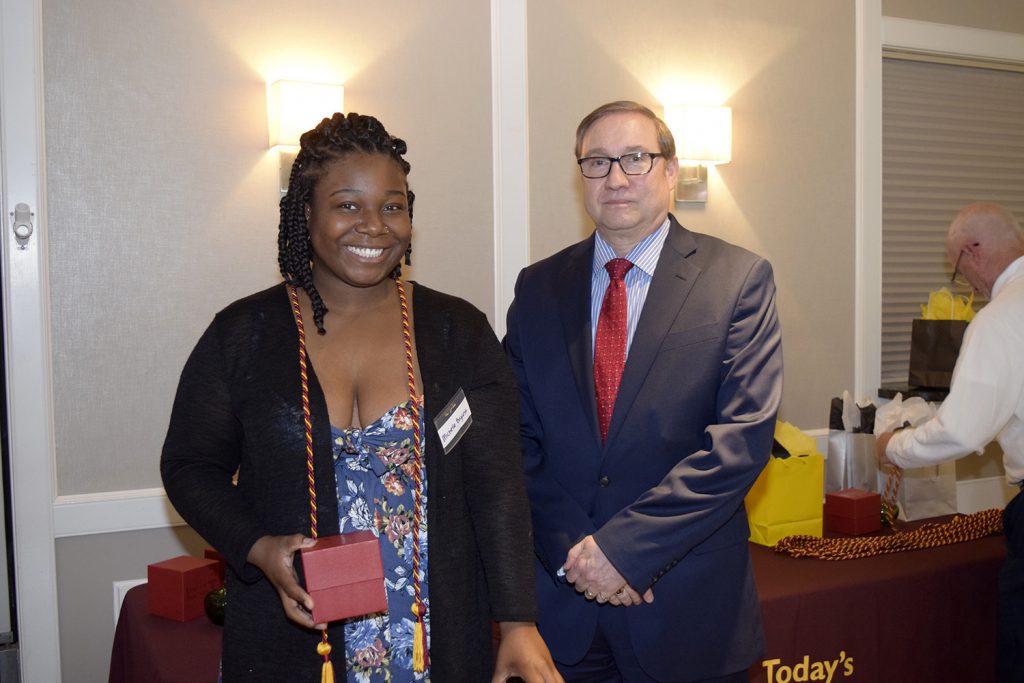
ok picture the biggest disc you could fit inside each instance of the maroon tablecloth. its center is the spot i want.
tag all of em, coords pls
(922, 615)
(157, 650)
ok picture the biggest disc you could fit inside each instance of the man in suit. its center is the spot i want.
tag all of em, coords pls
(649, 389)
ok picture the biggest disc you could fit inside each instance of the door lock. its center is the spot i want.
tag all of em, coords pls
(22, 217)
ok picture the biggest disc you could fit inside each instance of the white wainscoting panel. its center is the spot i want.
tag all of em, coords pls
(111, 511)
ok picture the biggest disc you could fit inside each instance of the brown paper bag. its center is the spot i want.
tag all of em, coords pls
(934, 347)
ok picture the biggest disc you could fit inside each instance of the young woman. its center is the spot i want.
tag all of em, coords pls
(383, 358)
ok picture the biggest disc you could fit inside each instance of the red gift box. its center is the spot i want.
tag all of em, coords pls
(178, 586)
(853, 511)
(344, 576)
(211, 554)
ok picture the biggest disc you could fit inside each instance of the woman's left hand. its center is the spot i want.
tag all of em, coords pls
(522, 653)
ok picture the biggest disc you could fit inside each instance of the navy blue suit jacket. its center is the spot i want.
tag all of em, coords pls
(691, 430)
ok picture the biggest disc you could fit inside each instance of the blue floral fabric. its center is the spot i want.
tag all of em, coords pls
(374, 473)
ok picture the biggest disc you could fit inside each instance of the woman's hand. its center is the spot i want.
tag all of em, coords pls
(274, 556)
(522, 653)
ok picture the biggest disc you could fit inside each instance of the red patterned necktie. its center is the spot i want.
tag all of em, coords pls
(610, 343)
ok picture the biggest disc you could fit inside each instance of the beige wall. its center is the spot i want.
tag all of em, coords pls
(161, 189)
(993, 15)
(787, 70)
(162, 195)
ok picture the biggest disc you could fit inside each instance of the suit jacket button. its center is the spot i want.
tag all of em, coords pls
(604, 481)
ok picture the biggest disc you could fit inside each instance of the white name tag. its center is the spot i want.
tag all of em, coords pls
(453, 421)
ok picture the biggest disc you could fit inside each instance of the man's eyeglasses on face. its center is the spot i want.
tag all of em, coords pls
(634, 163)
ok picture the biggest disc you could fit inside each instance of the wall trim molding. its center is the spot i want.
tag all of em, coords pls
(958, 41)
(974, 495)
(510, 149)
(113, 511)
(141, 509)
(867, 287)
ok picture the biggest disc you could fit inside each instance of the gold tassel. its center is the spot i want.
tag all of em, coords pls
(323, 649)
(420, 656)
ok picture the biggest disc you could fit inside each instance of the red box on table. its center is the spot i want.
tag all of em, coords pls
(344, 576)
(211, 554)
(853, 511)
(178, 586)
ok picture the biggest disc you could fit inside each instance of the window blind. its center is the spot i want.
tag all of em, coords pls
(951, 135)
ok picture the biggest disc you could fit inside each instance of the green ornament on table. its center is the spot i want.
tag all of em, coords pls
(214, 604)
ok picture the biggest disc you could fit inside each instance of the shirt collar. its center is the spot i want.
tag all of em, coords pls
(644, 255)
(1011, 272)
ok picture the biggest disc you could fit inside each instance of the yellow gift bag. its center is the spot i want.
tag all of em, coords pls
(786, 499)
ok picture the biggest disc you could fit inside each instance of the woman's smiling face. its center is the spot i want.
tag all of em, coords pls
(358, 220)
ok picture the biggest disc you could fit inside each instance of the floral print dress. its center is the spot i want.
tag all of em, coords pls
(373, 469)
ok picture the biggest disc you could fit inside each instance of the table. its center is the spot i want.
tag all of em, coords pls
(158, 650)
(925, 615)
(922, 615)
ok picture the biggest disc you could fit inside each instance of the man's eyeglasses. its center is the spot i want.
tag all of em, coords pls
(634, 163)
(958, 277)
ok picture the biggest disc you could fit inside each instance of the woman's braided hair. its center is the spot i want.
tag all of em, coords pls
(332, 139)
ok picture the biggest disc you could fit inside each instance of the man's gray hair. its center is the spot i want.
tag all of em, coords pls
(666, 143)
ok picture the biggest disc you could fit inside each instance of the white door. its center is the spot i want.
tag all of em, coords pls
(25, 324)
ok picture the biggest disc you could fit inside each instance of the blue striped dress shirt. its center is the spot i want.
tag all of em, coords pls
(638, 280)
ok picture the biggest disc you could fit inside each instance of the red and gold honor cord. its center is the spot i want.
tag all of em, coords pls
(420, 651)
(323, 648)
(957, 530)
(421, 655)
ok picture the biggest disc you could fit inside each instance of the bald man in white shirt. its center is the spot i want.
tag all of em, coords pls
(986, 399)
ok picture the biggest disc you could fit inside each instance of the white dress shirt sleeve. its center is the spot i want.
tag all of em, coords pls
(985, 391)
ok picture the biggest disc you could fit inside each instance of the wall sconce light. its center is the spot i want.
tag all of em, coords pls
(703, 138)
(293, 107)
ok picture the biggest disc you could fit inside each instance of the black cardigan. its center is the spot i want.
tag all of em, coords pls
(238, 408)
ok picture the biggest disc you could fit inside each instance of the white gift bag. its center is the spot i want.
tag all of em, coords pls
(925, 491)
(928, 491)
(851, 461)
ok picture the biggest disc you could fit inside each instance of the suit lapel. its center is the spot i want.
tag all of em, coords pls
(574, 305)
(674, 277)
